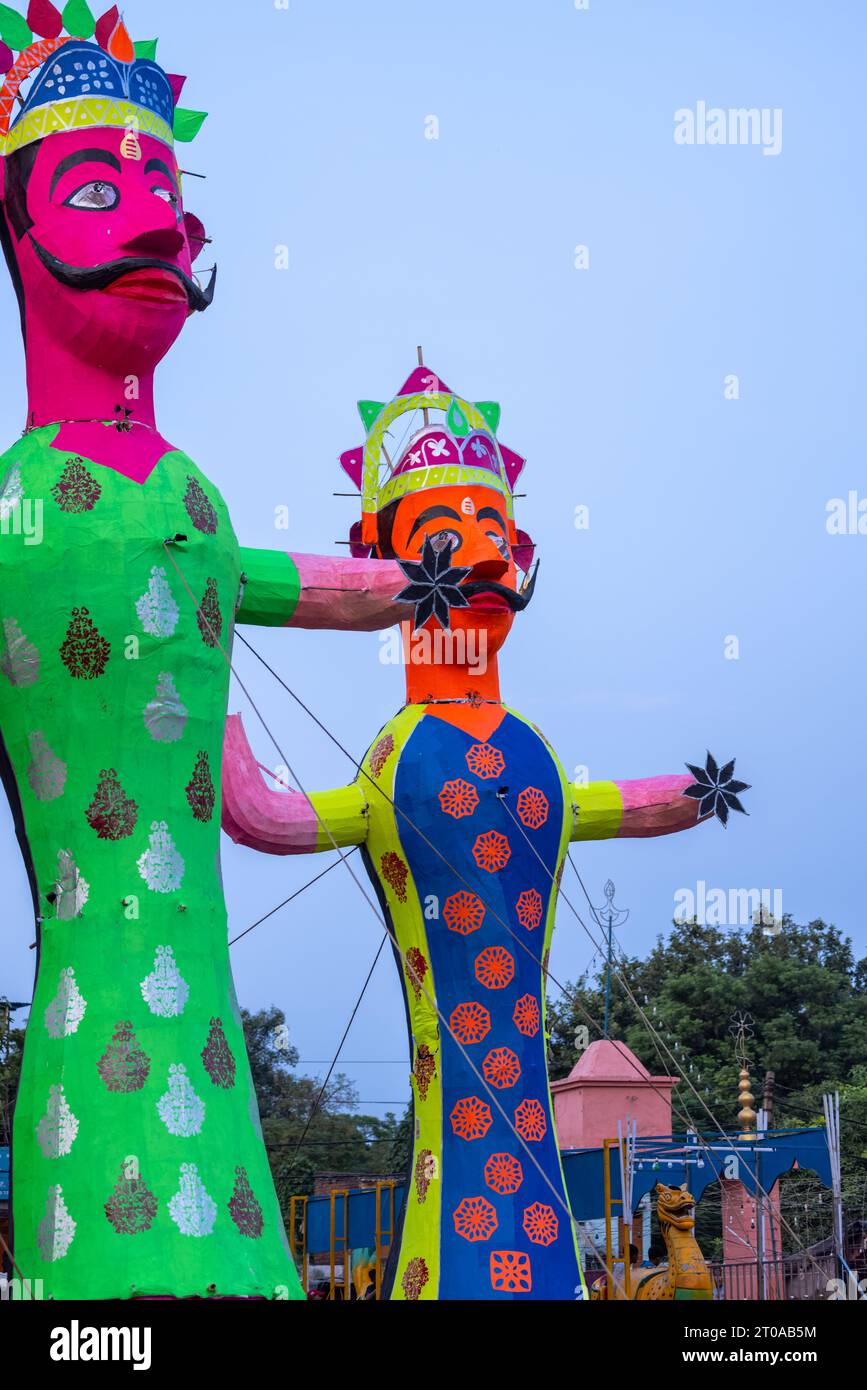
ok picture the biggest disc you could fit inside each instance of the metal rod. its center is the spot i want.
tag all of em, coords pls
(424, 410)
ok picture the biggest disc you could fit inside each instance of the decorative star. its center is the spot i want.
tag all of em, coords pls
(715, 789)
(434, 585)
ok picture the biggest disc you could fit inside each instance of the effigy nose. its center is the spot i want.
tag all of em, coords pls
(489, 569)
(166, 242)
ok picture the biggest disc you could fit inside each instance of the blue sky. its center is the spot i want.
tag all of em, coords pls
(707, 515)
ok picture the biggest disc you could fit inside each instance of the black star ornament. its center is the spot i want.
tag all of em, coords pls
(716, 790)
(434, 585)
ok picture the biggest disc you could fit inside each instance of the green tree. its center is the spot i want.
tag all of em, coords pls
(305, 1133)
(803, 988)
(11, 1049)
(807, 996)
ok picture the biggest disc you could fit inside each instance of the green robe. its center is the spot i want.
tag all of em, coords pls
(138, 1161)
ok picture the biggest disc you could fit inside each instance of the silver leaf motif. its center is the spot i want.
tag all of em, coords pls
(56, 1231)
(165, 991)
(180, 1109)
(66, 1009)
(71, 890)
(191, 1209)
(157, 611)
(58, 1127)
(161, 866)
(19, 660)
(12, 495)
(165, 716)
(46, 773)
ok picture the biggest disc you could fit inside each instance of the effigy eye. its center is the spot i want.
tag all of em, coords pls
(445, 539)
(95, 196)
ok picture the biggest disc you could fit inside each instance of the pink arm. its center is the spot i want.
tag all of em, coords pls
(629, 810)
(332, 592)
(348, 595)
(253, 815)
(283, 822)
(656, 806)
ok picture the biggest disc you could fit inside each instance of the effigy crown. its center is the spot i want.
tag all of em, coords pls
(461, 449)
(92, 75)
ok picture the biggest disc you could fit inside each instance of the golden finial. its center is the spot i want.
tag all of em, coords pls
(742, 1028)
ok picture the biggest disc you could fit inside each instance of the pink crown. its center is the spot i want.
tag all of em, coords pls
(464, 448)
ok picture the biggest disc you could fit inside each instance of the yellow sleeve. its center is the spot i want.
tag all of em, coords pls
(598, 808)
(341, 817)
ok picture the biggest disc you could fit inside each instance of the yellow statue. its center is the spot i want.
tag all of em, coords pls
(686, 1274)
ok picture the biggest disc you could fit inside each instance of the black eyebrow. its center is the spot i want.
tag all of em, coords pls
(159, 166)
(431, 515)
(82, 157)
(490, 514)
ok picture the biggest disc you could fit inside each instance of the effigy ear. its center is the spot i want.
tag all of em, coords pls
(524, 551)
(196, 234)
(358, 549)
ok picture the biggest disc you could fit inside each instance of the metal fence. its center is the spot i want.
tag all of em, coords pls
(796, 1278)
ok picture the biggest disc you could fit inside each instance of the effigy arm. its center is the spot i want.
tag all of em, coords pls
(319, 591)
(636, 809)
(283, 822)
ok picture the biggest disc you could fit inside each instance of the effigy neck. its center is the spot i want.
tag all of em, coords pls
(82, 398)
(432, 677)
(62, 387)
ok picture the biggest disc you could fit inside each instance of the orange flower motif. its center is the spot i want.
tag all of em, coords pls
(459, 799)
(510, 1271)
(529, 909)
(530, 1120)
(495, 967)
(491, 851)
(541, 1224)
(475, 1219)
(485, 761)
(463, 912)
(526, 1016)
(470, 1023)
(501, 1068)
(471, 1118)
(532, 807)
(503, 1173)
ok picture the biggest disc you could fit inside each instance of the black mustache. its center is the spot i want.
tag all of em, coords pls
(99, 277)
(516, 601)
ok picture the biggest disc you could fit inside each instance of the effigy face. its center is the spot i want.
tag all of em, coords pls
(470, 523)
(99, 242)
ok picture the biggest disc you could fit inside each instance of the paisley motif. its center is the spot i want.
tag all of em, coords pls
(157, 611)
(161, 866)
(164, 990)
(192, 1209)
(56, 1231)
